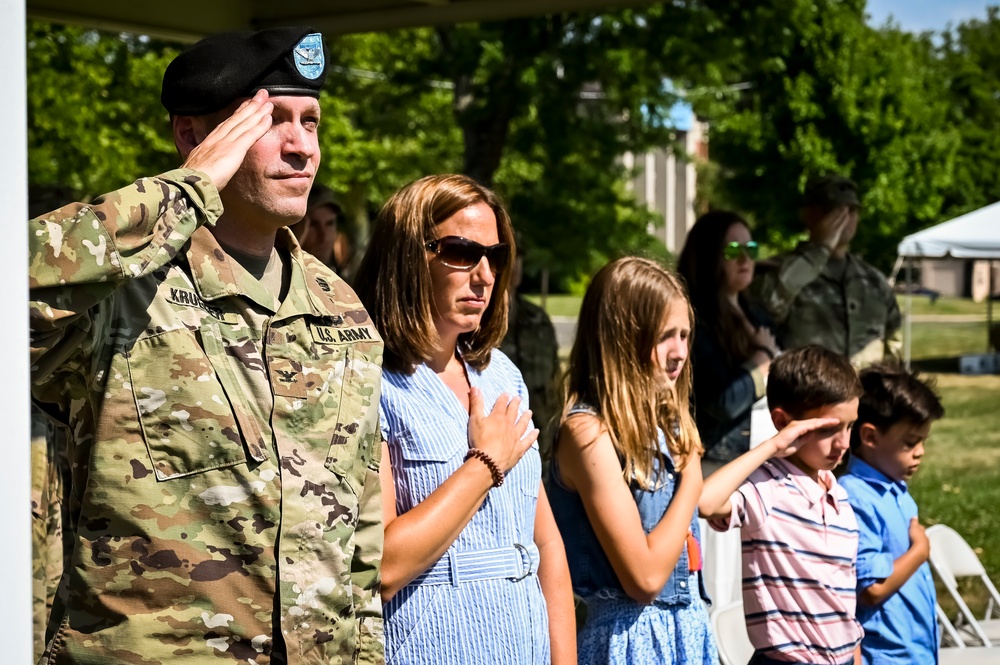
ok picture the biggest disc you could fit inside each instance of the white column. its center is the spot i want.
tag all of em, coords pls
(670, 213)
(649, 186)
(628, 161)
(649, 173)
(15, 485)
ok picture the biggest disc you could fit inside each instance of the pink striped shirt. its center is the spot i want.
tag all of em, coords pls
(800, 542)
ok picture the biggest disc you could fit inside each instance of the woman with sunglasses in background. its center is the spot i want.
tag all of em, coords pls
(474, 569)
(734, 341)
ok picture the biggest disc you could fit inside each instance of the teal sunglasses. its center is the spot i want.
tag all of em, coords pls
(734, 250)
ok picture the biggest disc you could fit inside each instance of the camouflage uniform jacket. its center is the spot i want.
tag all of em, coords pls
(224, 445)
(49, 469)
(531, 343)
(855, 315)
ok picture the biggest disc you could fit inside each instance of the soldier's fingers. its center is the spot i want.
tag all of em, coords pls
(247, 110)
(244, 136)
(220, 158)
(250, 125)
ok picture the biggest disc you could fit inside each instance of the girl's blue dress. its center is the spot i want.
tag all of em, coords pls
(675, 627)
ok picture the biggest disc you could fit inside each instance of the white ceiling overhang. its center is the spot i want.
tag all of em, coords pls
(188, 20)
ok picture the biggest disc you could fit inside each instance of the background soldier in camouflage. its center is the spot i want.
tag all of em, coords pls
(821, 294)
(531, 343)
(220, 388)
(48, 482)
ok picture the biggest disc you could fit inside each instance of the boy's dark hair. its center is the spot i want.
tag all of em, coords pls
(893, 394)
(810, 377)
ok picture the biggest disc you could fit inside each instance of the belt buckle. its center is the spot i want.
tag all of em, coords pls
(525, 561)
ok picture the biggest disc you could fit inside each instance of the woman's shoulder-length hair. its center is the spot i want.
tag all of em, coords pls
(394, 279)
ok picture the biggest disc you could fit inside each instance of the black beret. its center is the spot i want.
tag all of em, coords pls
(219, 69)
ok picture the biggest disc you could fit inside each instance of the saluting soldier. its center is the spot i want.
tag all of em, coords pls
(820, 293)
(220, 388)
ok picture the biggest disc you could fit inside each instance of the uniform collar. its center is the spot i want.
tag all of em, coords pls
(217, 275)
(858, 467)
(813, 491)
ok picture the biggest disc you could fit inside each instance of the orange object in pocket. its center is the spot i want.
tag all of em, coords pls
(694, 553)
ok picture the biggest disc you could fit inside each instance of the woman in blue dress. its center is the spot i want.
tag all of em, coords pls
(626, 475)
(474, 569)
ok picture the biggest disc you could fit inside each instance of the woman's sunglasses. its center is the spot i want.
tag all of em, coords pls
(462, 254)
(734, 250)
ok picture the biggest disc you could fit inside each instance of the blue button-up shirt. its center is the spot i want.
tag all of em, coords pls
(903, 629)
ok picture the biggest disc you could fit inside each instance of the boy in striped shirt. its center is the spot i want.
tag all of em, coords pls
(800, 536)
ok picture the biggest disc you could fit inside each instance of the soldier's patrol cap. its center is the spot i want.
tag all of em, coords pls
(319, 196)
(222, 68)
(830, 191)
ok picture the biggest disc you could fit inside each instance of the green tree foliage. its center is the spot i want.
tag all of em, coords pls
(970, 57)
(544, 108)
(548, 106)
(94, 115)
(384, 123)
(825, 92)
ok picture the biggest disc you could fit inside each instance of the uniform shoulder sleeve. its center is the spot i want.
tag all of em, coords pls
(126, 233)
(80, 254)
(778, 283)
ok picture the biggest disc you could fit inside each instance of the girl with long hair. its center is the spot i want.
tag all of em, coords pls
(734, 340)
(473, 569)
(626, 474)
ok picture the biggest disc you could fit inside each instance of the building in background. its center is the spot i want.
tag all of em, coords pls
(666, 178)
(961, 278)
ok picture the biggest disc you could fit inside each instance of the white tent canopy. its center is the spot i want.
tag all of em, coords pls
(975, 235)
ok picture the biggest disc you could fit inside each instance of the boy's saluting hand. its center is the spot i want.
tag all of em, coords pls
(789, 439)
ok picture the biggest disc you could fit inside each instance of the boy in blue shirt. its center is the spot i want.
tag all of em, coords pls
(895, 590)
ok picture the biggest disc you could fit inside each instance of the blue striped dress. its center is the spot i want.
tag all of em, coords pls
(488, 621)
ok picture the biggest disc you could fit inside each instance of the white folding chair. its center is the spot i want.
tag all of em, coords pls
(952, 558)
(722, 565)
(731, 634)
(946, 630)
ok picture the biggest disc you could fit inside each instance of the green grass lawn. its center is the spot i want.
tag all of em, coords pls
(559, 304)
(959, 481)
(939, 340)
(947, 306)
(562, 304)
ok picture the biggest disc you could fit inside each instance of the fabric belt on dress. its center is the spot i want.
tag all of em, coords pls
(514, 562)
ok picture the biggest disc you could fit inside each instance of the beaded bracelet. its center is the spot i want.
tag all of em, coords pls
(490, 464)
(766, 351)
